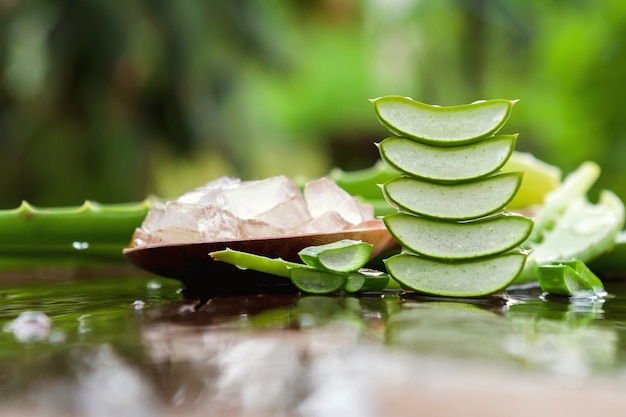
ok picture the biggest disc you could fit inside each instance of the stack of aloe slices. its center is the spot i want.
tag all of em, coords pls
(457, 238)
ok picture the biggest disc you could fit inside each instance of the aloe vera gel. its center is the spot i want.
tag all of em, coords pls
(450, 199)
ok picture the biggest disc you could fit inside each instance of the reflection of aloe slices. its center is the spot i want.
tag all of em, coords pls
(447, 164)
(452, 240)
(453, 201)
(442, 126)
(473, 278)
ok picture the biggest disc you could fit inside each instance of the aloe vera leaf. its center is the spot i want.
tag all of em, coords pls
(613, 259)
(449, 164)
(473, 278)
(111, 251)
(245, 260)
(442, 126)
(90, 222)
(366, 280)
(453, 201)
(574, 186)
(571, 278)
(342, 256)
(583, 231)
(540, 178)
(364, 182)
(458, 240)
(316, 281)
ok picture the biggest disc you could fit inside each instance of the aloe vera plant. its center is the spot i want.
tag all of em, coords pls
(456, 237)
(90, 232)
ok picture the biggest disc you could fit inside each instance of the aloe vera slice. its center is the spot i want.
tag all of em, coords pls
(315, 281)
(571, 278)
(458, 163)
(453, 201)
(366, 280)
(458, 240)
(442, 126)
(456, 279)
(342, 256)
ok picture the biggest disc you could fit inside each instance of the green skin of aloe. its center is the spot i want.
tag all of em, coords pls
(87, 234)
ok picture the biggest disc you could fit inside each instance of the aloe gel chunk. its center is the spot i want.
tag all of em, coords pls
(447, 164)
(442, 126)
(341, 256)
(458, 240)
(453, 201)
(456, 279)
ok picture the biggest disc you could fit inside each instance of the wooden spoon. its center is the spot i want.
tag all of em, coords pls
(191, 263)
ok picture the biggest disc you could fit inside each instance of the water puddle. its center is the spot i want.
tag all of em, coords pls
(133, 345)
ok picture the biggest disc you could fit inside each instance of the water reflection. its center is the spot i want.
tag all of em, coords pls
(295, 355)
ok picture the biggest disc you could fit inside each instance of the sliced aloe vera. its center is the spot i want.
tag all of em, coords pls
(442, 126)
(366, 280)
(245, 260)
(453, 201)
(315, 281)
(473, 278)
(458, 163)
(571, 278)
(342, 256)
(458, 240)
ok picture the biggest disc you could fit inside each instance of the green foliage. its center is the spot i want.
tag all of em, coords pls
(113, 102)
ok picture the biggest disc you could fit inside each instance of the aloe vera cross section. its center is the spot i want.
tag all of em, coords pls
(471, 278)
(463, 201)
(459, 240)
(447, 164)
(442, 126)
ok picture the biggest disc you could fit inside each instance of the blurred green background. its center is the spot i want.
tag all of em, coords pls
(114, 101)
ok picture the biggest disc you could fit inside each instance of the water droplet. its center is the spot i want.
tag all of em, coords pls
(80, 245)
(30, 326)
(154, 284)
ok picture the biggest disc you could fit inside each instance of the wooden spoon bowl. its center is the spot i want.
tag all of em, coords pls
(205, 277)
